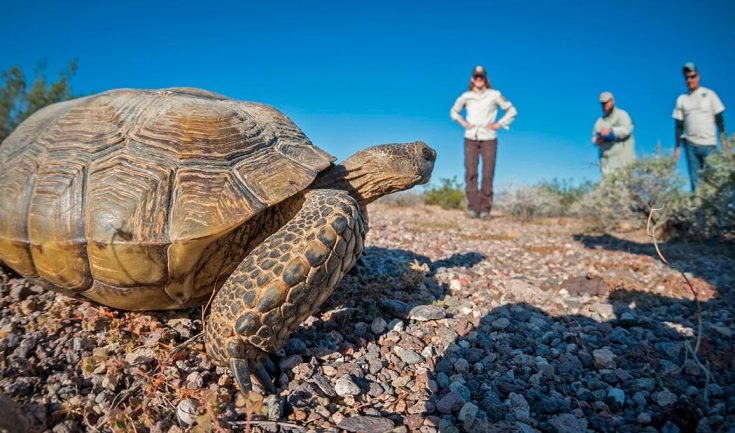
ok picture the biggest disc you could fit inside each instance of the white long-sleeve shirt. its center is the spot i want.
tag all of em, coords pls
(482, 110)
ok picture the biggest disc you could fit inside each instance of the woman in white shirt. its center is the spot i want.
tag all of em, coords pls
(481, 103)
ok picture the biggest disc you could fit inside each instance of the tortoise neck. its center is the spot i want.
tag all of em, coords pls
(363, 185)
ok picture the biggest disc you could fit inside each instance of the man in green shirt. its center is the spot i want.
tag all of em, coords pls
(613, 135)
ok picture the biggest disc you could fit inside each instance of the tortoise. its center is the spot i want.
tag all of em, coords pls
(154, 199)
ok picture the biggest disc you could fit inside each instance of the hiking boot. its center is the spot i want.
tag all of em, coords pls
(485, 216)
(471, 214)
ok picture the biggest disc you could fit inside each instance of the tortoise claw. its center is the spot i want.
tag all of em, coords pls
(265, 379)
(270, 365)
(241, 371)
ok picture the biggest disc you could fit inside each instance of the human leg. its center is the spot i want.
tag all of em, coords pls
(693, 163)
(471, 158)
(489, 152)
(696, 155)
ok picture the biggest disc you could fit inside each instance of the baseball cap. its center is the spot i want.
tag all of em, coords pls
(479, 70)
(605, 96)
(689, 67)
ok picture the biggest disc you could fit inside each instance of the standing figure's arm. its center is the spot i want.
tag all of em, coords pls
(720, 121)
(509, 114)
(678, 127)
(597, 132)
(718, 108)
(678, 130)
(454, 113)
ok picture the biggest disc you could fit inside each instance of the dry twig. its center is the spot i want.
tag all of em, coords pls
(693, 351)
(209, 302)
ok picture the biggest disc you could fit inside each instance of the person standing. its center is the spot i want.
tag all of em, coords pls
(481, 104)
(696, 114)
(613, 135)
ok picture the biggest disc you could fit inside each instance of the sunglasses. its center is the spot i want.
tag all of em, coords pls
(690, 77)
(475, 77)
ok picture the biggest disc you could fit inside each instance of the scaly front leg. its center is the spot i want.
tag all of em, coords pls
(283, 281)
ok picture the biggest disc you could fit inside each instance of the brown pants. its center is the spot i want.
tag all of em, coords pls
(482, 200)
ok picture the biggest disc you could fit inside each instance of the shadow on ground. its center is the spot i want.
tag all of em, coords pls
(518, 369)
(693, 258)
(515, 368)
(386, 283)
(571, 373)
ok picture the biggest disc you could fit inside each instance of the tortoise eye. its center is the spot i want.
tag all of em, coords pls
(428, 153)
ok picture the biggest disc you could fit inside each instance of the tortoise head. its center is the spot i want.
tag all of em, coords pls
(380, 170)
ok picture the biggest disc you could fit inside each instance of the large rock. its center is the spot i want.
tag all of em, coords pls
(408, 356)
(522, 291)
(450, 402)
(345, 386)
(590, 286)
(568, 423)
(425, 313)
(603, 357)
(366, 424)
(665, 398)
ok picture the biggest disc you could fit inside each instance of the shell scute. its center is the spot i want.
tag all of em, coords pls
(126, 190)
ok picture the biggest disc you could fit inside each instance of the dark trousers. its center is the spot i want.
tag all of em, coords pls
(479, 200)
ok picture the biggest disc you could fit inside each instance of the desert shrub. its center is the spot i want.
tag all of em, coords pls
(628, 194)
(568, 191)
(608, 204)
(449, 194)
(709, 213)
(402, 199)
(526, 202)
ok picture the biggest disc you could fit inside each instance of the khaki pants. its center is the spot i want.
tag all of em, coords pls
(479, 200)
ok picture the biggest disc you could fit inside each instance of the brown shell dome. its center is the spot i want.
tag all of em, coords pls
(126, 188)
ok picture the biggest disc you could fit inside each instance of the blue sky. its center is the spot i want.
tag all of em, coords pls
(356, 74)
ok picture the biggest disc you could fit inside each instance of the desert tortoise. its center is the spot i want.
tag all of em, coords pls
(152, 199)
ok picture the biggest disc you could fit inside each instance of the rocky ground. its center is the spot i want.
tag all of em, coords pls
(446, 325)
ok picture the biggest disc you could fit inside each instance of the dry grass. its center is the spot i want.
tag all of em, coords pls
(433, 226)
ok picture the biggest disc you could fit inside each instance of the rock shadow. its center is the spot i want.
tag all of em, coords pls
(374, 300)
(522, 370)
(516, 368)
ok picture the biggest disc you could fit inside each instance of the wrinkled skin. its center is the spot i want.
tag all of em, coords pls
(289, 275)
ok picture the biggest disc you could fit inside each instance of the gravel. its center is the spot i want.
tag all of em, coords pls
(446, 325)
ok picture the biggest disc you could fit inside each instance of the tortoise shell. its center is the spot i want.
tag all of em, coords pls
(116, 196)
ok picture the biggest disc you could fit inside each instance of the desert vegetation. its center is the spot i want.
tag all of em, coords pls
(621, 201)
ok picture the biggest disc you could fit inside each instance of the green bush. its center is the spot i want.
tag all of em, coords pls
(709, 213)
(449, 194)
(629, 194)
